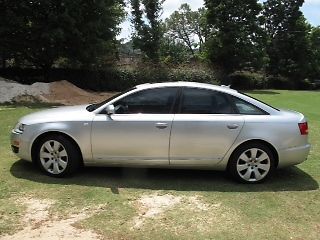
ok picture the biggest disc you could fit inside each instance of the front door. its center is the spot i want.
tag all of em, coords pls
(138, 132)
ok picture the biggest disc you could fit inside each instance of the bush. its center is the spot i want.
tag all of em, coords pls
(246, 80)
(192, 75)
(316, 84)
(280, 82)
(111, 79)
(305, 84)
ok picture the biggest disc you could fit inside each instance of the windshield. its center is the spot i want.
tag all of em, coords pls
(95, 106)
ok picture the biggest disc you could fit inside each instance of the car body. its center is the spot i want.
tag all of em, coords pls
(166, 125)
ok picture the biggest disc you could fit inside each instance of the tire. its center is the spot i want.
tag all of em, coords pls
(57, 156)
(251, 163)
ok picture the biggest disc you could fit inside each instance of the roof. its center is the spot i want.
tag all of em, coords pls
(186, 84)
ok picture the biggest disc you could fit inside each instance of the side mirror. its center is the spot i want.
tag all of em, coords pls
(110, 109)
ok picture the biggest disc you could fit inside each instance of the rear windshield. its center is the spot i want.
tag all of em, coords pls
(260, 101)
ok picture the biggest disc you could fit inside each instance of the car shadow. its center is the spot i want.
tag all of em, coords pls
(289, 179)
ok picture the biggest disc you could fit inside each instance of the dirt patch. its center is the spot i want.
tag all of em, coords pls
(66, 93)
(60, 92)
(197, 204)
(40, 225)
(37, 210)
(175, 212)
(205, 217)
(149, 206)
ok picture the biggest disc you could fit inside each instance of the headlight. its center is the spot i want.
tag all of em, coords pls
(19, 128)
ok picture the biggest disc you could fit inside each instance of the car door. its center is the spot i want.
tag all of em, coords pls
(139, 130)
(204, 129)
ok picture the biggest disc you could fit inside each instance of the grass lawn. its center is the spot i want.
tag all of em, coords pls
(169, 204)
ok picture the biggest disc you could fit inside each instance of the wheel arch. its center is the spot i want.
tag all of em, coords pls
(45, 134)
(272, 148)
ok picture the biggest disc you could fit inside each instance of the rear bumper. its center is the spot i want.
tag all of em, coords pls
(293, 156)
(20, 145)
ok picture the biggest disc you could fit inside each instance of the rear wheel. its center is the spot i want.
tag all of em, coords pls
(57, 156)
(251, 163)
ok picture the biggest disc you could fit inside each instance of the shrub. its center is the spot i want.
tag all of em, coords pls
(305, 84)
(316, 84)
(111, 79)
(246, 80)
(280, 82)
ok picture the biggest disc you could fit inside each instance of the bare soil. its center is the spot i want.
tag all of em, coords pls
(150, 206)
(39, 224)
(60, 92)
(154, 207)
(64, 92)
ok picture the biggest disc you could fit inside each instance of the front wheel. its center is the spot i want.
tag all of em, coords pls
(251, 163)
(57, 156)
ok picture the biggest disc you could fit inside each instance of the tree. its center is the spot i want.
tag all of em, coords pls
(11, 27)
(237, 39)
(315, 46)
(40, 32)
(288, 45)
(201, 28)
(187, 26)
(173, 51)
(146, 21)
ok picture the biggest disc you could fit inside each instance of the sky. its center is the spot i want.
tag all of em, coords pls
(310, 9)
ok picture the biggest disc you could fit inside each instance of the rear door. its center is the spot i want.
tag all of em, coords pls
(204, 128)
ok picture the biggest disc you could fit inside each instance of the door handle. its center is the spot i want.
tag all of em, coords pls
(233, 126)
(161, 125)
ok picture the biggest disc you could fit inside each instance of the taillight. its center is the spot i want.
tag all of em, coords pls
(303, 128)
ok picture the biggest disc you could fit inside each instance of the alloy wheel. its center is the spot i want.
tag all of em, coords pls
(53, 157)
(253, 165)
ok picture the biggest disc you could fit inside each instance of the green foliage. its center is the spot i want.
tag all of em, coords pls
(112, 79)
(121, 79)
(237, 36)
(173, 52)
(147, 24)
(280, 82)
(185, 33)
(288, 45)
(185, 25)
(237, 40)
(306, 84)
(40, 32)
(315, 57)
(189, 74)
(247, 80)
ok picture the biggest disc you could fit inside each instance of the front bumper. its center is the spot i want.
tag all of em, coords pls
(20, 145)
(293, 156)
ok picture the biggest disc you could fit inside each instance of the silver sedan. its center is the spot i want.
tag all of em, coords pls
(166, 125)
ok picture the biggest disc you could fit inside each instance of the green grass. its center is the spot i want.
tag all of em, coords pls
(287, 206)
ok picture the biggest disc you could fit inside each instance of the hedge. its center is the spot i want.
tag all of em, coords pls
(111, 79)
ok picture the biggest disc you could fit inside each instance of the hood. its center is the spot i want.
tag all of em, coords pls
(59, 114)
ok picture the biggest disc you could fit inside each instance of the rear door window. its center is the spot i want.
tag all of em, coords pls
(204, 101)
